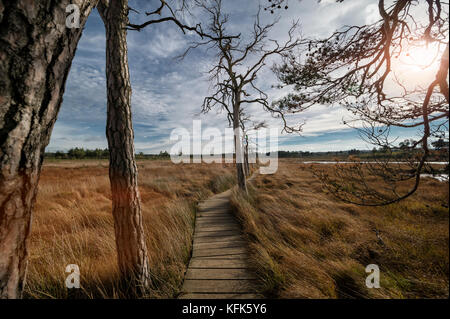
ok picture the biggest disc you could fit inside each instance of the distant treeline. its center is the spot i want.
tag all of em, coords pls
(440, 153)
(298, 154)
(81, 153)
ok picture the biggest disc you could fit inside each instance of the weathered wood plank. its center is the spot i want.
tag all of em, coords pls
(222, 233)
(201, 240)
(217, 273)
(216, 219)
(208, 253)
(214, 211)
(219, 244)
(212, 202)
(221, 221)
(243, 256)
(218, 263)
(200, 225)
(216, 229)
(218, 286)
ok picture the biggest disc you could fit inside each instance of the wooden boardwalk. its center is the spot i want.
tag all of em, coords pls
(218, 267)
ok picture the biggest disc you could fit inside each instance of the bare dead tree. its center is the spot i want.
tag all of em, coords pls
(235, 72)
(36, 52)
(354, 68)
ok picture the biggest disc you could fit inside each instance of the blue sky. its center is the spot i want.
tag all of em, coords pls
(168, 93)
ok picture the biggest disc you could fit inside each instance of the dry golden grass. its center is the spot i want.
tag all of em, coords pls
(73, 224)
(306, 244)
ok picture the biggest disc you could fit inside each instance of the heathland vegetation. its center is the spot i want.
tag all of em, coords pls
(304, 243)
(73, 225)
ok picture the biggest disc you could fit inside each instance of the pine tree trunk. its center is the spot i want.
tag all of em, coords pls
(128, 222)
(238, 144)
(36, 52)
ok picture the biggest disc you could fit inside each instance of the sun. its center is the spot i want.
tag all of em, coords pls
(419, 57)
(416, 65)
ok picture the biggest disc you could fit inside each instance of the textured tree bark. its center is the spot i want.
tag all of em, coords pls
(238, 143)
(36, 52)
(128, 223)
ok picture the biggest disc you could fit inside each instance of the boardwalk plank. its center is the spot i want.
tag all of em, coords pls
(218, 286)
(219, 244)
(206, 220)
(222, 233)
(216, 220)
(218, 263)
(208, 253)
(202, 240)
(214, 217)
(217, 273)
(217, 228)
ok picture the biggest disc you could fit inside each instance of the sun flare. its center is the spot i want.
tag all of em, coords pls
(416, 64)
(419, 57)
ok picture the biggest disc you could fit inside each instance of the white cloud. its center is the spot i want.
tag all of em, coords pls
(372, 14)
